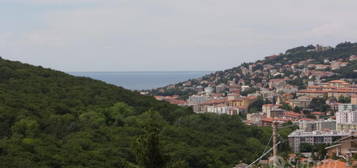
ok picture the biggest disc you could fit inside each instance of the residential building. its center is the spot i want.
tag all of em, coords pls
(287, 89)
(243, 102)
(198, 99)
(354, 99)
(233, 96)
(337, 65)
(222, 109)
(345, 147)
(346, 117)
(339, 84)
(321, 66)
(292, 115)
(299, 137)
(267, 94)
(277, 83)
(302, 101)
(318, 125)
(221, 88)
(268, 108)
(335, 88)
(267, 122)
(353, 58)
(276, 113)
(171, 100)
(255, 118)
(329, 163)
(200, 108)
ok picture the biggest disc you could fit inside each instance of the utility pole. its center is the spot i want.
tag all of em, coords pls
(275, 146)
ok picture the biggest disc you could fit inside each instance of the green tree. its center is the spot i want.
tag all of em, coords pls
(319, 104)
(26, 128)
(178, 164)
(286, 106)
(147, 148)
(92, 119)
(343, 99)
(116, 114)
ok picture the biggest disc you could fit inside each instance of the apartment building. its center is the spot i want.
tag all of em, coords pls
(346, 117)
(299, 137)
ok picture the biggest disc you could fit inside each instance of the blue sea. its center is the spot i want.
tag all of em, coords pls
(142, 80)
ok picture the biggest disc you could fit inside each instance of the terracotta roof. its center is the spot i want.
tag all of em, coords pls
(277, 80)
(270, 105)
(251, 97)
(292, 114)
(341, 90)
(317, 113)
(306, 119)
(218, 101)
(274, 119)
(329, 163)
(175, 101)
(322, 87)
(312, 91)
(338, 81)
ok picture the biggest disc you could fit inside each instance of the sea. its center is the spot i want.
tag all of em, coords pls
(142, 80)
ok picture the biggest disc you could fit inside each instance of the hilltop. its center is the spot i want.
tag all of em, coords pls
(50, 119)
(298, 65)
(309, 86)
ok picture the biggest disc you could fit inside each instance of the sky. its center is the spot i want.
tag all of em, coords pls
(166, 35)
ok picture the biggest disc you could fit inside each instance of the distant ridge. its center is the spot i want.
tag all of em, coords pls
(317, 53)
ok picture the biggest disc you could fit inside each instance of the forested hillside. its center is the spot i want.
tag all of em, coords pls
(49, 119)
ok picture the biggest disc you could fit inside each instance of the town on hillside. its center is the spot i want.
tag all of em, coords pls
(312, 88)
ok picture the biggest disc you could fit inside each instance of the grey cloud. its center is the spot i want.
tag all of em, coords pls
(176, 34)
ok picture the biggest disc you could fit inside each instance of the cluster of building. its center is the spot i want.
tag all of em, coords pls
(335, 88)
(268, 75)
(236, 91)
(231, 104)
(328, 131)
(289, 88)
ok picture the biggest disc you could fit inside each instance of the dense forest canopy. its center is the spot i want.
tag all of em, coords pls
(50, 119)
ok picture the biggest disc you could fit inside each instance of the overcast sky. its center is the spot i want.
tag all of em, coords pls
(151, 35)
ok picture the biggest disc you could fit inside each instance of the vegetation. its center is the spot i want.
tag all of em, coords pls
(249, 91)
(256, 106)
(319, 104)
(343, 99)
(318, 151)
(53, 120)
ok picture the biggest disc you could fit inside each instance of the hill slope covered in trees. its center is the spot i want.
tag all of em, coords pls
(49, 119)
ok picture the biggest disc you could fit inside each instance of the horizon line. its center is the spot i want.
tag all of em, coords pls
(145, 71)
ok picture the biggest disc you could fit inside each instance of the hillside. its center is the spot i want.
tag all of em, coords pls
(299, 65)
(50, 119)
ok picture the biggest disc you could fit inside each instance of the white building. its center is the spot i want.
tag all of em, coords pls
(198, 99)
(319, 125)
(221, 88)
(299, 137)
(346, 117)
(272, 110)
(255, 118)
(222, 109)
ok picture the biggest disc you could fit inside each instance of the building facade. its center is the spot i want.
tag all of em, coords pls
(346, 117)
(299, 137)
